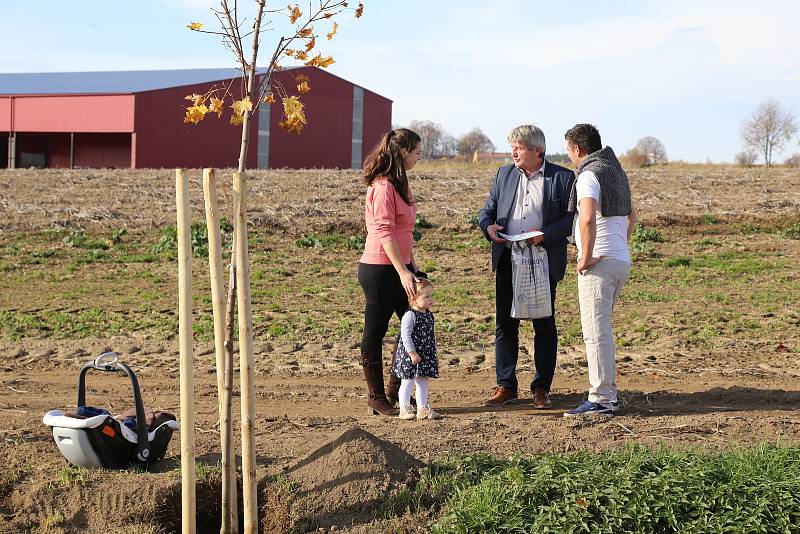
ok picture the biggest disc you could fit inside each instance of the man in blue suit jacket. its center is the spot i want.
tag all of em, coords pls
(532, 194)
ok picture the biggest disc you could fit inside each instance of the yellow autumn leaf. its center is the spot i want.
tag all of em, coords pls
(237, 120)
(195, 99)
(308, 32)
(269, 98)
(301, 78)
(294, 13)
(360, 10)
(195, 114)
(289, 52)
(216, 106)
(195, 26)
(319, 61)
(303, 87)
(310, 44)
(242, 106)
(295, 116)
(301, 55)
(333, 30)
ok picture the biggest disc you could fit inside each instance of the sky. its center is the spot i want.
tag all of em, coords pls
(687, 72)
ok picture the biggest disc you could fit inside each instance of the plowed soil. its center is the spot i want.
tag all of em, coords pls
(708, 334)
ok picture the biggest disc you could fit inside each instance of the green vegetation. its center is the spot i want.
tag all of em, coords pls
(79, 239)
(642, 234)
(422, 222)
(168, 242)
(53, 519)
(637, 490)
(326, 241)
(792, 232)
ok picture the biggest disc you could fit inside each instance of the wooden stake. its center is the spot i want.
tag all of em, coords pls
(229, 515)
(249, 497)
(188, 501)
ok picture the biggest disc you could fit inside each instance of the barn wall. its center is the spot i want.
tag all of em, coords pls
(94, 150)
(163, 140)
(73, 113)
(326, 139)
(377, 120)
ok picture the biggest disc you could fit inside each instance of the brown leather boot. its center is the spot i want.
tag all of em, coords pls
(373, 374)
(393, 387)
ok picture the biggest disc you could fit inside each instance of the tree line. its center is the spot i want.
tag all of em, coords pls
(765, 133)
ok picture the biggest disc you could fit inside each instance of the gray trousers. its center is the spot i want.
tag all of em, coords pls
(598, 291)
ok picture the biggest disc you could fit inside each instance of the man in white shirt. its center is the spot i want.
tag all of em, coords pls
(605, 221)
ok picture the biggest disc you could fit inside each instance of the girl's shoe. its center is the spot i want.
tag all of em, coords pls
(407, 413)
(426, 412)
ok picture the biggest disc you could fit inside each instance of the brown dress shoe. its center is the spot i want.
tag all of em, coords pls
(541, 400)
(501, 397)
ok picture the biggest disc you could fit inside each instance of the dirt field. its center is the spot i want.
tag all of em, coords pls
(708, 332)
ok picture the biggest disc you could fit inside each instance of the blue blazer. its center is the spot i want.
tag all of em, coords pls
(557, 225)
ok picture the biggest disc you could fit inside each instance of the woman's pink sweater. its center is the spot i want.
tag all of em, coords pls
(388, 218)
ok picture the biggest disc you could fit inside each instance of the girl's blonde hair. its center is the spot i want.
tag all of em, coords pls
(419, 286)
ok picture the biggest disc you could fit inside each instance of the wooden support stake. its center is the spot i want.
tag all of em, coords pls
(188, 501)
(249, 498)
(229, 515)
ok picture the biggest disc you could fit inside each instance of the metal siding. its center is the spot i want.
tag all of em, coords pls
(5, 114)
(127, 81)
(377, 120)
(102, 150)
(96, 113)
(263, 136)
(326, 140)
(163, 140)
(358, 127)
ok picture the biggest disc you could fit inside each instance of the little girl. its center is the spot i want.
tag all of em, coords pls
(415, 361)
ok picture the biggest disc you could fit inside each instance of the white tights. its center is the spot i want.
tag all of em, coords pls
(407, 384)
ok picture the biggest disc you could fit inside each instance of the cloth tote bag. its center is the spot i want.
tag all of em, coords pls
(531, 280)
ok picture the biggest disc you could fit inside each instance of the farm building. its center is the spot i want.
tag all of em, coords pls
(135, 119)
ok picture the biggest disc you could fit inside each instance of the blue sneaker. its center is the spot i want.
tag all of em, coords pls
(589, 407)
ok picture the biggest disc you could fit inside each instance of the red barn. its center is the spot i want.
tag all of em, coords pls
(135, 119)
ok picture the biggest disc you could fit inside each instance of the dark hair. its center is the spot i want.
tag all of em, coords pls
(386, 159)
(585, 136)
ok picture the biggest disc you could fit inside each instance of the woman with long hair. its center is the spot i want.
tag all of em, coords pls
(386, 271)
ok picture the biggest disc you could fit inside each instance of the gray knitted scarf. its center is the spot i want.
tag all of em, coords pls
(615, 199)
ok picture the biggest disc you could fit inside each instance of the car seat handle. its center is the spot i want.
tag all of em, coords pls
(107, 361)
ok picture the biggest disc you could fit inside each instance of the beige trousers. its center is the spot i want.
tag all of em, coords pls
(598, 291)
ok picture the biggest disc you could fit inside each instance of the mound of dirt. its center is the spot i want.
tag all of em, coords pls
(346, 481)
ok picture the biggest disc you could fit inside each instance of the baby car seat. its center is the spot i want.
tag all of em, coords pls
(92, 437)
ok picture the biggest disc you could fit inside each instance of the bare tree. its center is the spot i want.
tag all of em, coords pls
(792, 161)
(746, 158)
(474, 141)
(653, 149)
(768, 129)
(449, 145)
(431, 134)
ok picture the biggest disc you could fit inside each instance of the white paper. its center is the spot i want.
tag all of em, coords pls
(519, 237)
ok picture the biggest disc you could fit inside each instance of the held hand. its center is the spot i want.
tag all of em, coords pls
(536, 240)
(415, 357)
(585, 265)
(407, 279)
(492, 230)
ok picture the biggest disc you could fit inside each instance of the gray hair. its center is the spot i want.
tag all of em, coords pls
(530, 135)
